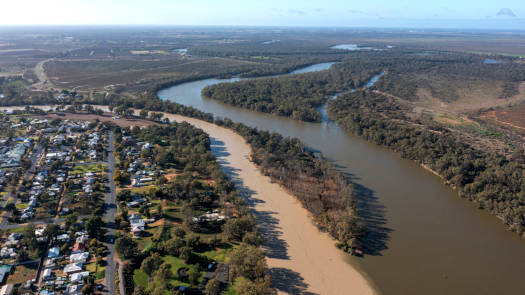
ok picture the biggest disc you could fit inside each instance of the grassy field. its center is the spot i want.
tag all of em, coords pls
(99, 271)
(140, 278)
(94, 168)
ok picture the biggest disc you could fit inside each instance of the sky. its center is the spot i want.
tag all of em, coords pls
(509, 14)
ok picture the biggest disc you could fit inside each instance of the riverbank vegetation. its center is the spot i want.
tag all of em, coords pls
(295, 96)
(494, 182)
(326, 193)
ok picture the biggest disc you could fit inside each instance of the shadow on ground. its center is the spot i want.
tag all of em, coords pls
(268, 225)
(289, 281)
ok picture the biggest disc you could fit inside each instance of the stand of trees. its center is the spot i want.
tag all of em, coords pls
(295, 96)
(185, 148)
(493, 182)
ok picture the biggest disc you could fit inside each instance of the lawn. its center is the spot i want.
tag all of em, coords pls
(92, 268)
(21, 206)
(95, 168)
(23, 273)
(220, 256)
(140, 278)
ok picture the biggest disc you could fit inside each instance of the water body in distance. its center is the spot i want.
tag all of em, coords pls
(270, 42)
(489, 61)
(424, 238)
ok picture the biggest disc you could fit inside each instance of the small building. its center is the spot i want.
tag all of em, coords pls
(79, 276)
(79, 257)
(53, 252)
(63, 238)
(47, 275)
(73, 268)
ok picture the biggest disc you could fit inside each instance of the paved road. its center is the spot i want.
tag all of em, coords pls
(111, 210)
(40, 72)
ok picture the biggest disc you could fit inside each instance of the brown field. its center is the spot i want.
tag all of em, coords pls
(511, 117)
(472, 97)
(99, 73)
(23, 273)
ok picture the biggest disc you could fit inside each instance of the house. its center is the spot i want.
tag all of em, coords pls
(82, 237)
(53, 252)
(74, 289)
(209, 217)
(27, 215)
(63, 238)
(50, 263)
(39, 232)
(133, 216)
(79, 257)
(49, 130)
(73, 268)
(137, 224)
(13, 239)
(59, 139)
(78, 277)
(78, 248)
(32, 203)
(8, 252)
(48, 275)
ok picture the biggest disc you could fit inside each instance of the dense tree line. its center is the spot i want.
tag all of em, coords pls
(295, 96)
(494, 183)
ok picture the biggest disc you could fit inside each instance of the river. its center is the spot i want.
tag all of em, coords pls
(424, 238)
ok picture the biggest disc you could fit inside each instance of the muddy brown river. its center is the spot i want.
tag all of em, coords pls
(423, 238)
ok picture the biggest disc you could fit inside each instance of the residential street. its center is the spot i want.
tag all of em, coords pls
(111, 210)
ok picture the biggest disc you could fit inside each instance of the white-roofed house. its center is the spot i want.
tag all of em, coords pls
(79, 276)
(79, 257)
(73, 268)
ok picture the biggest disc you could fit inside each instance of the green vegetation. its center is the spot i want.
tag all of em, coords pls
(94, 168)
(178, 247)
(494, 183)
(294, 96)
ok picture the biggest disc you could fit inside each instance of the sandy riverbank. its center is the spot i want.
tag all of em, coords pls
(300, 257)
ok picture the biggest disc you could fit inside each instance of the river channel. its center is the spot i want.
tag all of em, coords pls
(424, 238)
